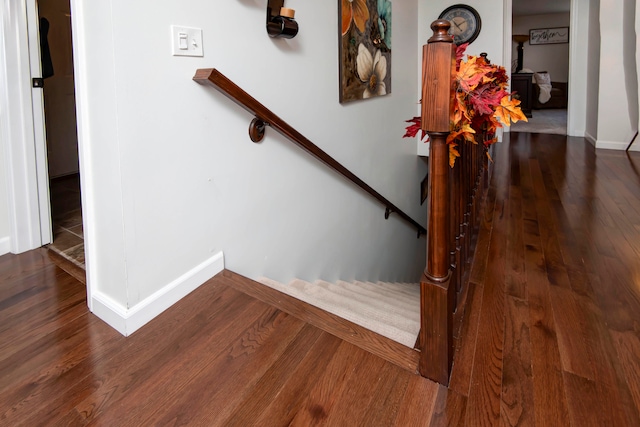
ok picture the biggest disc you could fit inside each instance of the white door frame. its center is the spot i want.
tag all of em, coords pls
(39, 127)
(23, 134)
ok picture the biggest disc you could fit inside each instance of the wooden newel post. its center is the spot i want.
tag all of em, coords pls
(436, 293)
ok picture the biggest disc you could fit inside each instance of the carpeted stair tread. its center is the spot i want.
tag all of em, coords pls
(403, 291)
(382, 298)
(380, 309)
(385, 308)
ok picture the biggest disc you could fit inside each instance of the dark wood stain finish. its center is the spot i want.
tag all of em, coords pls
(437, 284)
(550, 335)
(456, 195)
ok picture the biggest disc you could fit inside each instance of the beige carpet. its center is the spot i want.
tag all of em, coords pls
(544, 121)
(389, 309)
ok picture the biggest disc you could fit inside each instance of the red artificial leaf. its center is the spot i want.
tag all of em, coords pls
(460, 54)
(500, 76)
(412, 130)
(485, 98)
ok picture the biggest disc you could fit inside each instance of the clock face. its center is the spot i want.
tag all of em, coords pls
(465, 23)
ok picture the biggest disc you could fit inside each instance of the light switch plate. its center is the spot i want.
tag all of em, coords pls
(194, 41)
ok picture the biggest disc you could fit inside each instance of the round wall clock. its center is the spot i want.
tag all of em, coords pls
(465, 23)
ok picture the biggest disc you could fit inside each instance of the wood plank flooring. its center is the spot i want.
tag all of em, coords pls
(550, 334)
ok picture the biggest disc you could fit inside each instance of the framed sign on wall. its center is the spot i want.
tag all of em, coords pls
(549, 35)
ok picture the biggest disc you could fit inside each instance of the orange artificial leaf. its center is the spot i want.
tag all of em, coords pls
(453, 154)
(457, 116)
(487, 79)
(509, 111)
(493, 124)
(459, 108)
(469, 76)
(466, 132)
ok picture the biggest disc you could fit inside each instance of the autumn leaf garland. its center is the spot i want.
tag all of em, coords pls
(481, 102)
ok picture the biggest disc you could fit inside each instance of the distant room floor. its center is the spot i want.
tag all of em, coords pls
(66, 214)
(553, 121)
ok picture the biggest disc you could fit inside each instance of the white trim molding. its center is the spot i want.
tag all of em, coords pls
(616, 145)
(17, 128)
(128, 320)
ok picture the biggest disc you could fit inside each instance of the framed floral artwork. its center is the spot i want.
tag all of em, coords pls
(365, 49)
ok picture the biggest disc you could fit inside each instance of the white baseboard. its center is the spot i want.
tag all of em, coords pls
(590, 138)
(5, 245)
(611, 145)
(127, 321)
(635, 146)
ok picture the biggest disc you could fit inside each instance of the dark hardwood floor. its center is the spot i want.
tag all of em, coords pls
(550, 334)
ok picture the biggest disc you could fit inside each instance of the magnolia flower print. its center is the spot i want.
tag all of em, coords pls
(372, 71)
(356, 11)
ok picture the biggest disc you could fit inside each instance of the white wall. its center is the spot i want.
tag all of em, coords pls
(618, 87)
(553, 58)
(171, 179)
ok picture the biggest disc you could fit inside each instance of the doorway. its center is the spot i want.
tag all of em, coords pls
(549, 63)
(54, 21)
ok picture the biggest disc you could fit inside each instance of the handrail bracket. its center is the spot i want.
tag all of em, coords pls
(256, 129)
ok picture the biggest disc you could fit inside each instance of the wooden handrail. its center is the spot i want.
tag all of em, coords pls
(213, 77)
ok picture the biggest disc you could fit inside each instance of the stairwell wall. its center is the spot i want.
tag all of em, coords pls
(172, 181)
(618, 84)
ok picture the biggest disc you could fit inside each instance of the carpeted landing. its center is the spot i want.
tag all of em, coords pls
(389, 309)
(544, 121)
